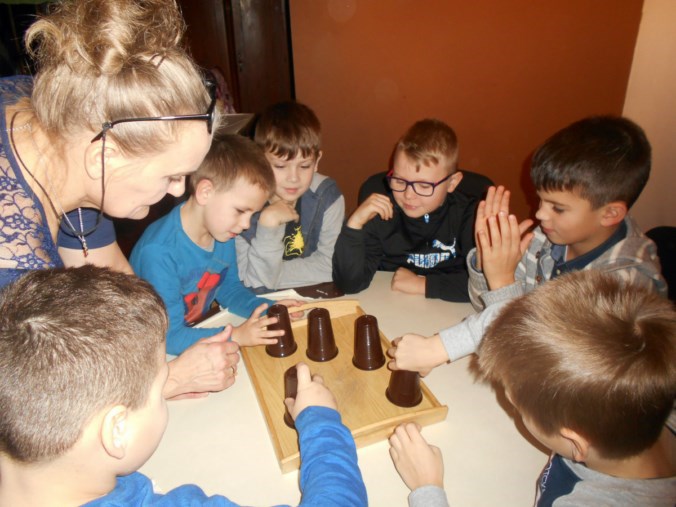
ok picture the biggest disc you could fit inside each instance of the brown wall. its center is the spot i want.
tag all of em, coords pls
(504, 74)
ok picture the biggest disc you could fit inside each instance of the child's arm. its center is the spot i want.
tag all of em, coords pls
(358, 250)
(231, 292)
(263, 263)
(329, 474)
(414, 352)
(420, 465)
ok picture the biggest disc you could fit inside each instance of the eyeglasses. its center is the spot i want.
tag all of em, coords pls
(422, 188)
(209, 117)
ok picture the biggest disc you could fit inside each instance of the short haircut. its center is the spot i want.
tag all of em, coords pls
(230, 158)
(287, 129)
(588, 352)
(73, 342)
(602, 158)
(427, 141)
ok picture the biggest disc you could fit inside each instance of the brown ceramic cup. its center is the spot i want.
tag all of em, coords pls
(404, 388)
(368, 353)
(290, 391)
(286, 344)
(321, 344)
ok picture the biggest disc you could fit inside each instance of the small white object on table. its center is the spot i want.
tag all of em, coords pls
(221, 443)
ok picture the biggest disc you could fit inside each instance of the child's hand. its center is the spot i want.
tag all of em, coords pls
(413, 352)
(502, 247)
(209, 365)
(406, 281)
(497, 200)
(290, 303)
(311, 392)
(278, 213)
(418, 463)
(375, 204)
(254, 330)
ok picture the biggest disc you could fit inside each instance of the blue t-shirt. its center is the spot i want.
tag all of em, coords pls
(189, 278)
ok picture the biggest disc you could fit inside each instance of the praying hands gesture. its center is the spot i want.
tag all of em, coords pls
(501, 240)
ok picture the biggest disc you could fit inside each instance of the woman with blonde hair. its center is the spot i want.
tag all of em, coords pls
(118, 116)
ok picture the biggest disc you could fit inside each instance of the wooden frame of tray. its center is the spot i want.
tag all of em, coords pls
(370, 416)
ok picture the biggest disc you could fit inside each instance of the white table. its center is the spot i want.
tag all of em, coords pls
(222, 444)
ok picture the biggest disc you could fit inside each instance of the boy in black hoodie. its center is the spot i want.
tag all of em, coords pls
(421, 230)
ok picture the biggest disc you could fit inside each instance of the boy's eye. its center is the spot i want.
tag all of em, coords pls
(306, 166)
(556, 209)
(176, 179)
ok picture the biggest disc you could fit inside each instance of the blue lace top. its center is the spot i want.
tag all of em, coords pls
(25, 239)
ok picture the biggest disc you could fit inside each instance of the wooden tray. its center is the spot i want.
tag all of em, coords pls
(360, 394)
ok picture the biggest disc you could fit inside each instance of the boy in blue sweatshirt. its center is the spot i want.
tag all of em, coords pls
(188, 257)
(88, 347)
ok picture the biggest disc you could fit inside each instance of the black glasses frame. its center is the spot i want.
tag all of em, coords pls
(209, 117)
(412, 184)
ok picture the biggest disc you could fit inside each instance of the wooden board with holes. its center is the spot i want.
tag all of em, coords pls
(360, 394)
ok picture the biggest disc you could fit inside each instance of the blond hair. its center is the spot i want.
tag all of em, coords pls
(104, 60)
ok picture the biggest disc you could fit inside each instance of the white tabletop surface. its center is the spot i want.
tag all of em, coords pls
(221, 442)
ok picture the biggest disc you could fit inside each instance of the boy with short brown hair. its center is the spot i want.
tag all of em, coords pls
(82, 369)
(421, 230)
(290, 242)
(189, 257)
(589, 362)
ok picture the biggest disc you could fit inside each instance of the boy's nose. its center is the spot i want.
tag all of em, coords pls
(177, 188)
(292, 175)
(540, 214)
(245, 223)
(409, 193)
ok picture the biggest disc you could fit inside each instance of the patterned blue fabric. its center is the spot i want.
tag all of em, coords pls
(25, 240)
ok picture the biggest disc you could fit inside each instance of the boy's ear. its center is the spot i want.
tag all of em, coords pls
(93, 154)
(613, 213)
(454, 181)
(203, 191)
(115, 431)
(319, 156)
(579, 445)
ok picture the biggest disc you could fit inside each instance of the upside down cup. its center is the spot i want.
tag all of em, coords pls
(286, 344)
(404, 388)
(290, 391)
(321, 344)
(368, 353)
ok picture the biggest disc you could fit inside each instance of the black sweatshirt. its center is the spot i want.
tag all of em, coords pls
(434, 246)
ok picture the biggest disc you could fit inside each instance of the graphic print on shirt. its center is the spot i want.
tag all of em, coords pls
(294, 243)
(430, 260)
(197, 302)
